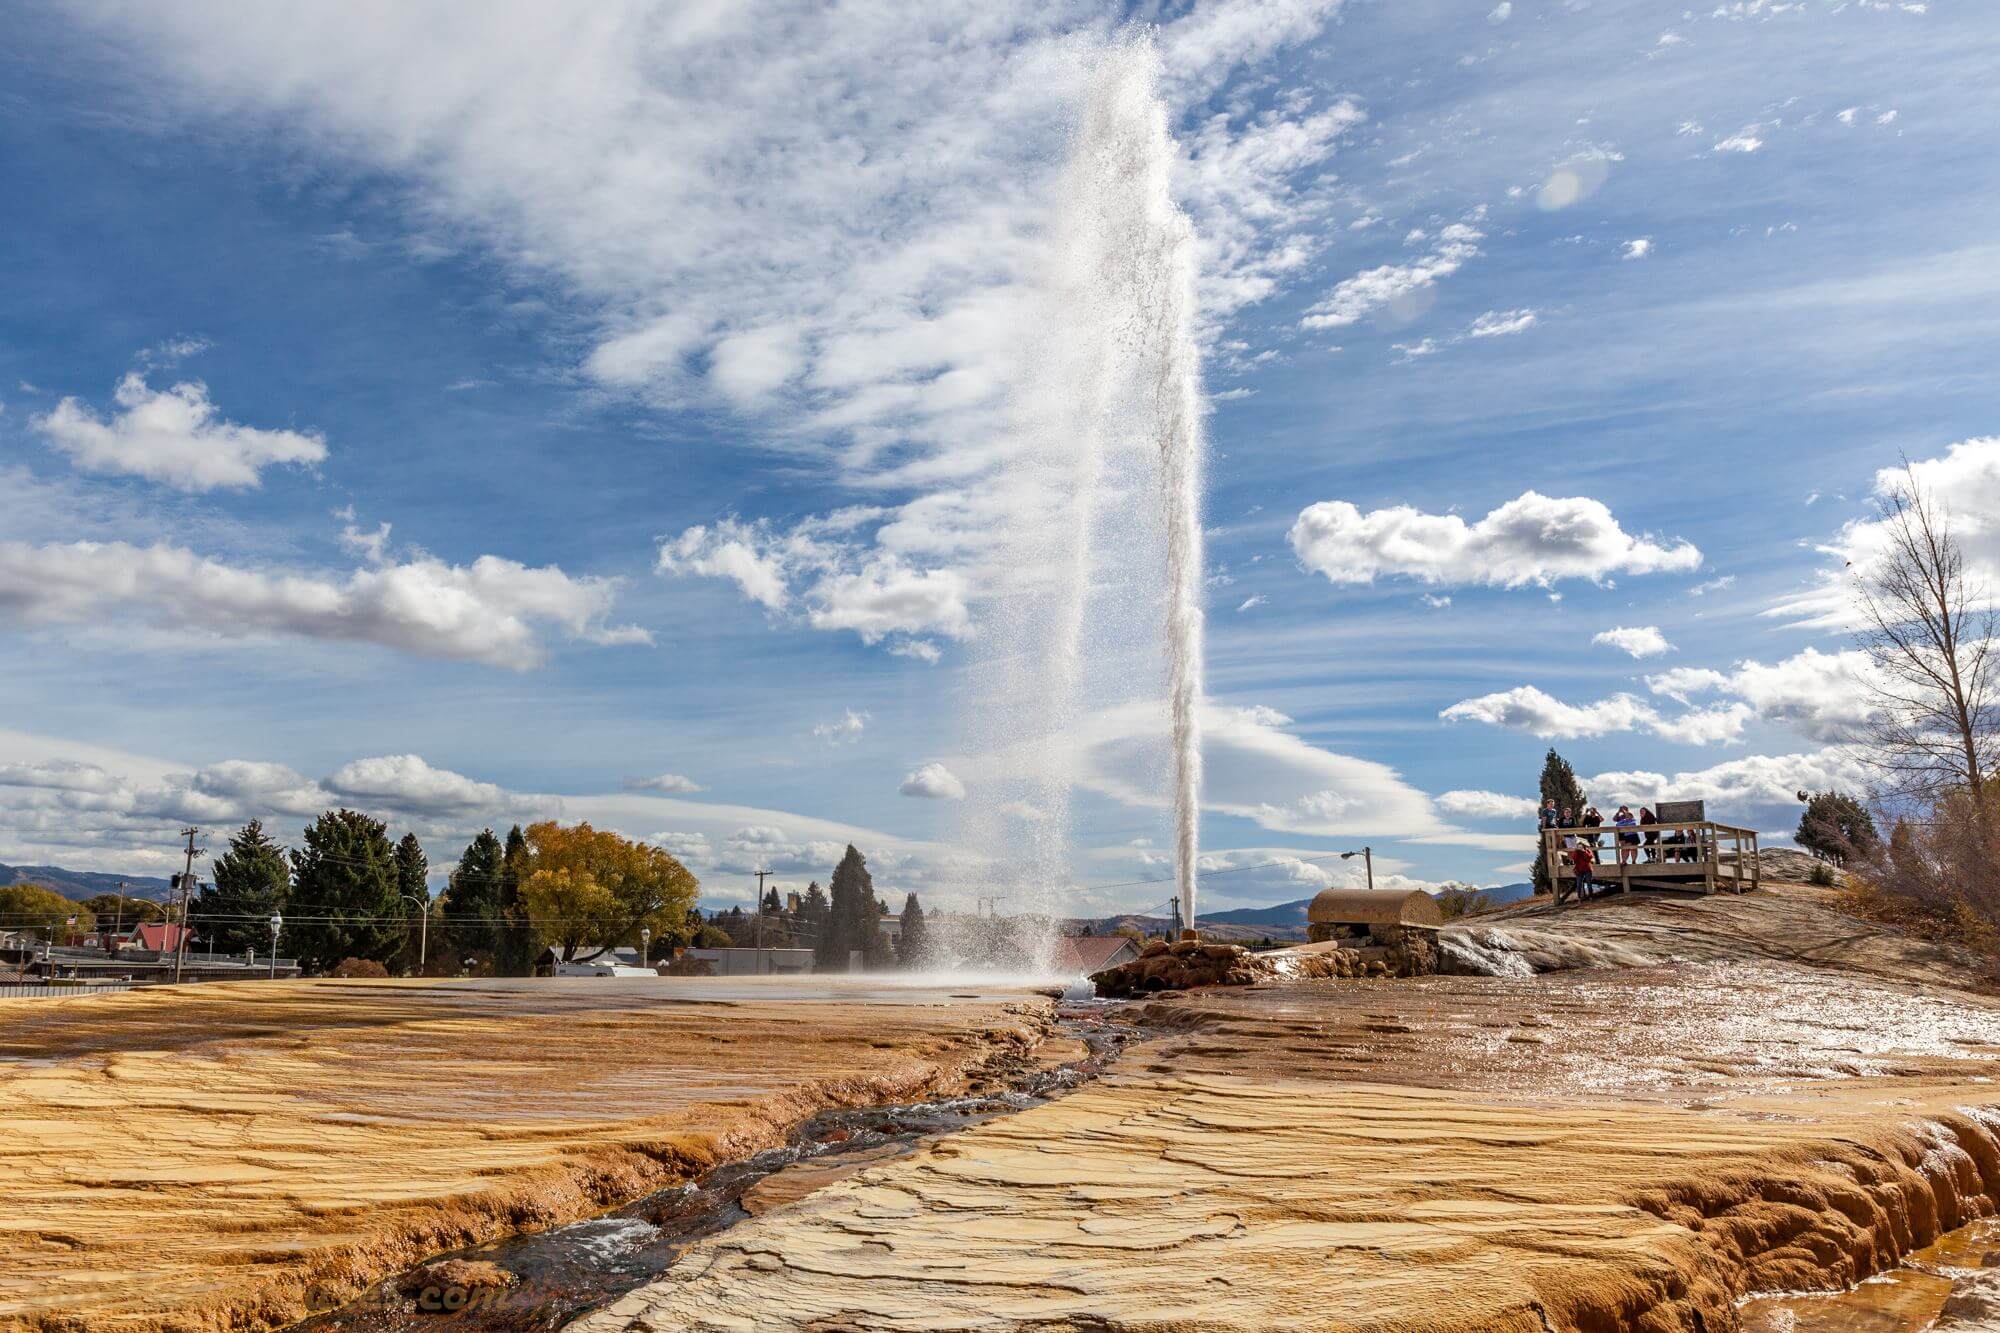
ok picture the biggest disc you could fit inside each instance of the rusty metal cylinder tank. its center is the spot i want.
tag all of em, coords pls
(1342, 911)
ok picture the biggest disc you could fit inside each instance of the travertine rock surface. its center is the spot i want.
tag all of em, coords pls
(228, 1156)
(1614, 1148)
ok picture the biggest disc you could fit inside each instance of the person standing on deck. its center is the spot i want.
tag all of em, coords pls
(1646, 818)
(1591, 819)
(1628, 835)
(1582, 862)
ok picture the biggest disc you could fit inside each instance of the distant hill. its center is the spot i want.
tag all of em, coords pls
(81, 884)
(1284, 915)
(1501, 894)
(1283, 921)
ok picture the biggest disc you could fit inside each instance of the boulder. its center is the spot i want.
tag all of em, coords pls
(464, 1275)
(1183, 965)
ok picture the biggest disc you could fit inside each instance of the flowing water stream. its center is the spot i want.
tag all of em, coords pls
(567, 1270)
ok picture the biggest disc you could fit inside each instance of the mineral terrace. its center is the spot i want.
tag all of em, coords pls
(230, 1156)
(1654, 1109)
(1742, 1094)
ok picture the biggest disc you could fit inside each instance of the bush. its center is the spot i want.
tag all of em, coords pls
(1822, 875)
(1939, 876)
(359, 967)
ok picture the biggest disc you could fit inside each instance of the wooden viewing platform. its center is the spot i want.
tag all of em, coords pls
(1708, 857)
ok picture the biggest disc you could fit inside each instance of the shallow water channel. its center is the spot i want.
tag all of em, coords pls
(1907, 1299)
(567, 1270)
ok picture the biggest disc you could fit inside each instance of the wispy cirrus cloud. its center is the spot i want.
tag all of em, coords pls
(493, 611)
(928, 182)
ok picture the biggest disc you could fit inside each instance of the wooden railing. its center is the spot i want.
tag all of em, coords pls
(1702, 855)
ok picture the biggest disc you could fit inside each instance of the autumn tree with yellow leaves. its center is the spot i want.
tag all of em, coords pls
(585, 890)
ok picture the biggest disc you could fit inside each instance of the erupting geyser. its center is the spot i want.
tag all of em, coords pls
(1101, 494)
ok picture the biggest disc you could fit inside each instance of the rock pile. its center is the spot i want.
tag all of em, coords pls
(1180, 966)
(1391, 952)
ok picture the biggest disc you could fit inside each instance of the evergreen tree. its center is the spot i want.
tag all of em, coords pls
(771, 902)
(913, 945)
(849, 915)
(471, 904)
(877, 953)
(853, 922)
(813, 910)
(1837, 827)
(413, 881)
(1558, 784)
(251, 881)
(343, 902)
(514, 945)
(736, 924)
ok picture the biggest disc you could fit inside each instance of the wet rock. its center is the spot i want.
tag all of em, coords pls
(460, 1274)
(1974, 1303)
(1184, 965)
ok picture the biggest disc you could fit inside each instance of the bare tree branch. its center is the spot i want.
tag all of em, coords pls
(1929, 636)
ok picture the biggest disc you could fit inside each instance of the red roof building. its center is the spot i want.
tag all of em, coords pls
(159, 936)
(1079, 956)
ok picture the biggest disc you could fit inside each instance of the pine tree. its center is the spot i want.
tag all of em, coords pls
(471, 902)
(913, 945)
(813, 907)
(1837, 828)
(878, 953)
(514, 943)
(1558, 784)
(850, 915)
(412, 882)
(343, 901)
(251, 881)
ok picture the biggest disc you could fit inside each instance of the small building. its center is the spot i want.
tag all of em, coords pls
(160, 937)
(753, 962)
(1086, 955)
(1381, 914)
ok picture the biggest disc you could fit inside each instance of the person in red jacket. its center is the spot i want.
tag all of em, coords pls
(1583, 862)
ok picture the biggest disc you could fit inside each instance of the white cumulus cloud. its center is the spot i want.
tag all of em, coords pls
(175, 436)
(1636, 640)
(1485, 805)
(1534, 539)
(407, 782)
(1965, 480)
(1525, 708)
(1823, 696)
(933, 782)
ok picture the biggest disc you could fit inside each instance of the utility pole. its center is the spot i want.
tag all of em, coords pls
(187, 889)
(1367, 855)
(118, 921)
(761, 875)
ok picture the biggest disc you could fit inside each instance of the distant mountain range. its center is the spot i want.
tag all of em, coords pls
(81, 884)
(1284, 921)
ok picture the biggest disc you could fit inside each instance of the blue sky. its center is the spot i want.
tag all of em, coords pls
(1523, 323)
